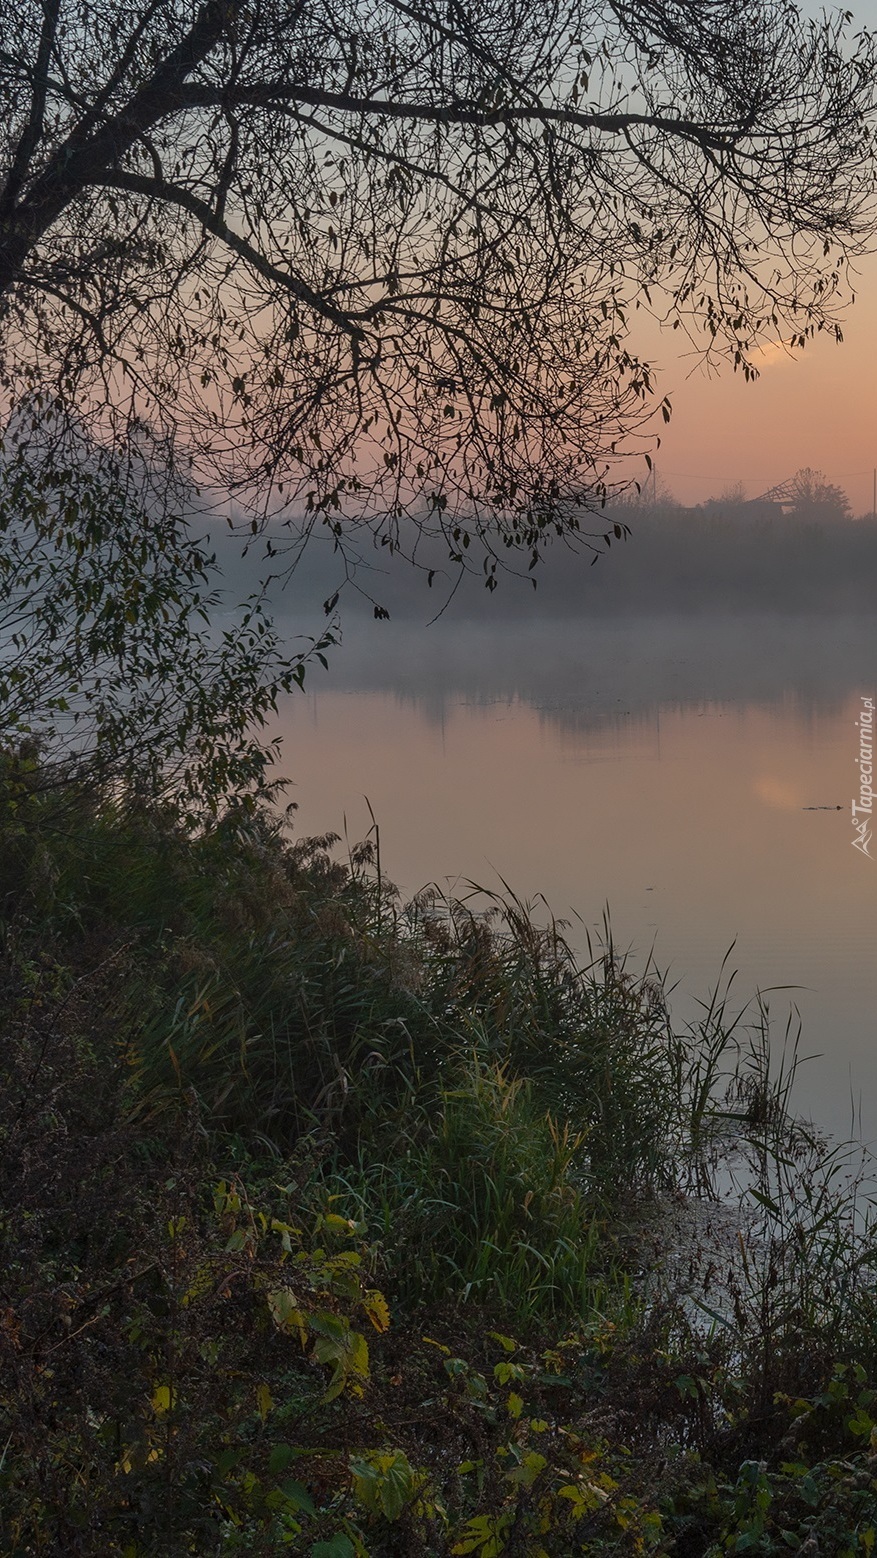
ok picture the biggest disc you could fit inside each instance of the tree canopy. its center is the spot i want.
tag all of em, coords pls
(363, 261)
(812, 496)
(122, 667)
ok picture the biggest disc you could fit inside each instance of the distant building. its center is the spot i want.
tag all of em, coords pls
(806, 495)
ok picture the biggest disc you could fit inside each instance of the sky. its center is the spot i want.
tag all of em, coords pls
(818, 409)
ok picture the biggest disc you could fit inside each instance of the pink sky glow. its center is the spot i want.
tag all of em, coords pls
(817, 408)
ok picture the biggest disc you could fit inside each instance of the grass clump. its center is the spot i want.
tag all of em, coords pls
(483, 1200)
(316, 1219)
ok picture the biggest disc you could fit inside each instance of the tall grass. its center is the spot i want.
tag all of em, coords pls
(480, 1199)
(475, 1093)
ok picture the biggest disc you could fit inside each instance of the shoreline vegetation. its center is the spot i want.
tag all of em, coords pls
(351, 1228)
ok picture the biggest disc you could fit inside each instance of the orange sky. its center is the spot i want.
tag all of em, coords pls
(818, 409)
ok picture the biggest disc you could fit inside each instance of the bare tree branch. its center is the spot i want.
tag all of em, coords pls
(172, 195)
(33, 129)
(278, 94)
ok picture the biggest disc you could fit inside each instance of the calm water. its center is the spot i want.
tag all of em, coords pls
(662, 767)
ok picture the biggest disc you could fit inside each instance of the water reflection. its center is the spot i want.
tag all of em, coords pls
(663, 767)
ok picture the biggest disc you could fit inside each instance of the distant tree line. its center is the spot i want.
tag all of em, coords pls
(808, 496)
(798, 550)
(741, 555)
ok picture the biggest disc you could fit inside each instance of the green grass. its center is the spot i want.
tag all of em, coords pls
(480, 1199)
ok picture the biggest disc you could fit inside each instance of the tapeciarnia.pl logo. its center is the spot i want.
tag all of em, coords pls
(862, 808)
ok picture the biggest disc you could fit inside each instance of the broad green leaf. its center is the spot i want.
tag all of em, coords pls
(282, 1455)
(298, 1496)
(338, 1546)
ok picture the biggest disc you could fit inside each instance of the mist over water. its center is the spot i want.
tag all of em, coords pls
(612, 671)
(723, 557)
(663, 765)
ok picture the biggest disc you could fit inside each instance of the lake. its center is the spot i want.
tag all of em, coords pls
(667, 767)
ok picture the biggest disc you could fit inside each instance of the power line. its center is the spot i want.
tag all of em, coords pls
(711, 476)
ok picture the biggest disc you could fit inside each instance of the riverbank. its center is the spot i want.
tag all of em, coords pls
(332, 1224)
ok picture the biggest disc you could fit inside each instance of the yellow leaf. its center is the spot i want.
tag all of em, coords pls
(531, 1467)
(484, 1535)
(358, 1354)
(162, 1399)
(341, 1225)
(264, 1401)
(201, 1284)
(582, 1503)
(515, 1405)
(286, 1314)
(598, 1492)
(375, 1306)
